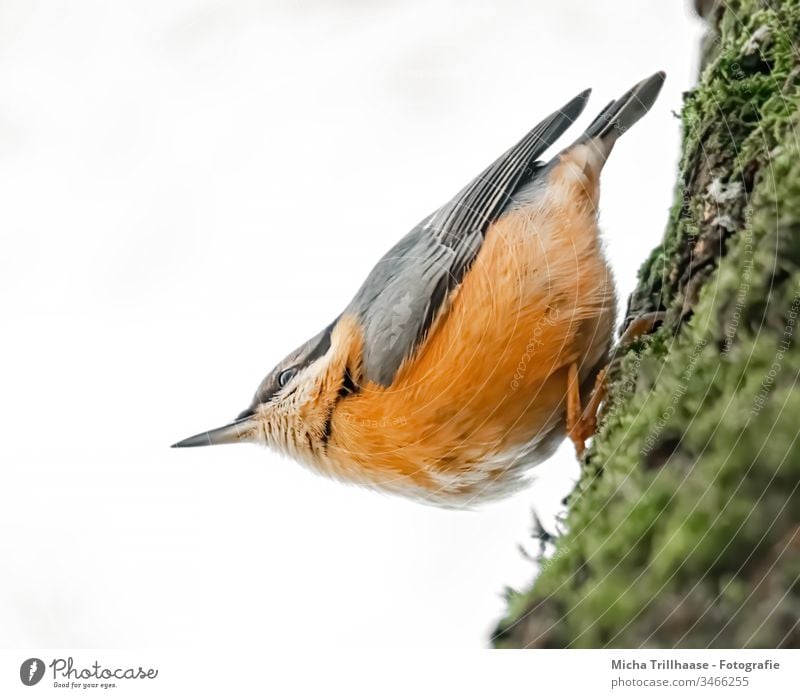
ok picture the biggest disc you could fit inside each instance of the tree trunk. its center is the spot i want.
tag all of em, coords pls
(684, 530)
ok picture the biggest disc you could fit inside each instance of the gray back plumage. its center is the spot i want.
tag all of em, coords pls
(409, 286)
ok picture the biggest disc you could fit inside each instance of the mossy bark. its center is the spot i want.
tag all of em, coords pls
(684, 530)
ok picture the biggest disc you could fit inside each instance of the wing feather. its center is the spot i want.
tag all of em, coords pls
(409, 286)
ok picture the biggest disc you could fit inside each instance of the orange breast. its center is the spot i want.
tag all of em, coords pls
(490, 379)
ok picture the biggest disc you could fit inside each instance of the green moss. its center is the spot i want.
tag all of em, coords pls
(689, 499)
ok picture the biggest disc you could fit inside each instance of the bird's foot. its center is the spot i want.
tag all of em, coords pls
(582, 421)
(641, 325)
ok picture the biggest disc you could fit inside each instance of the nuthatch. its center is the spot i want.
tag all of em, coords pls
(466, 355)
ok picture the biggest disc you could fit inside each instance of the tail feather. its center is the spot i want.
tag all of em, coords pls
(618, 116)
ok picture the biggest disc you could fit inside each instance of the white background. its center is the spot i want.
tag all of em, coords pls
(188, 190)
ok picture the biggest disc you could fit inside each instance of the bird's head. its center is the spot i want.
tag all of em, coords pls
(292, 407)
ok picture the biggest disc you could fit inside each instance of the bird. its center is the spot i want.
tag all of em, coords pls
(476, 344)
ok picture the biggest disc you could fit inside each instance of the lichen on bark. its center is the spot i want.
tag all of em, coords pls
(684, 529)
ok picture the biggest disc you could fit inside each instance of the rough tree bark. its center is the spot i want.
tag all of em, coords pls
(684, 530)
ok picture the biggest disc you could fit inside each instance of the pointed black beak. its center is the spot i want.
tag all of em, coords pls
(231, 433)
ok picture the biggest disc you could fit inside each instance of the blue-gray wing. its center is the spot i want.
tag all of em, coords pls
(409, 286)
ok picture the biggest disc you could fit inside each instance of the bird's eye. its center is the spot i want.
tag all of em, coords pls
(285, 376)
